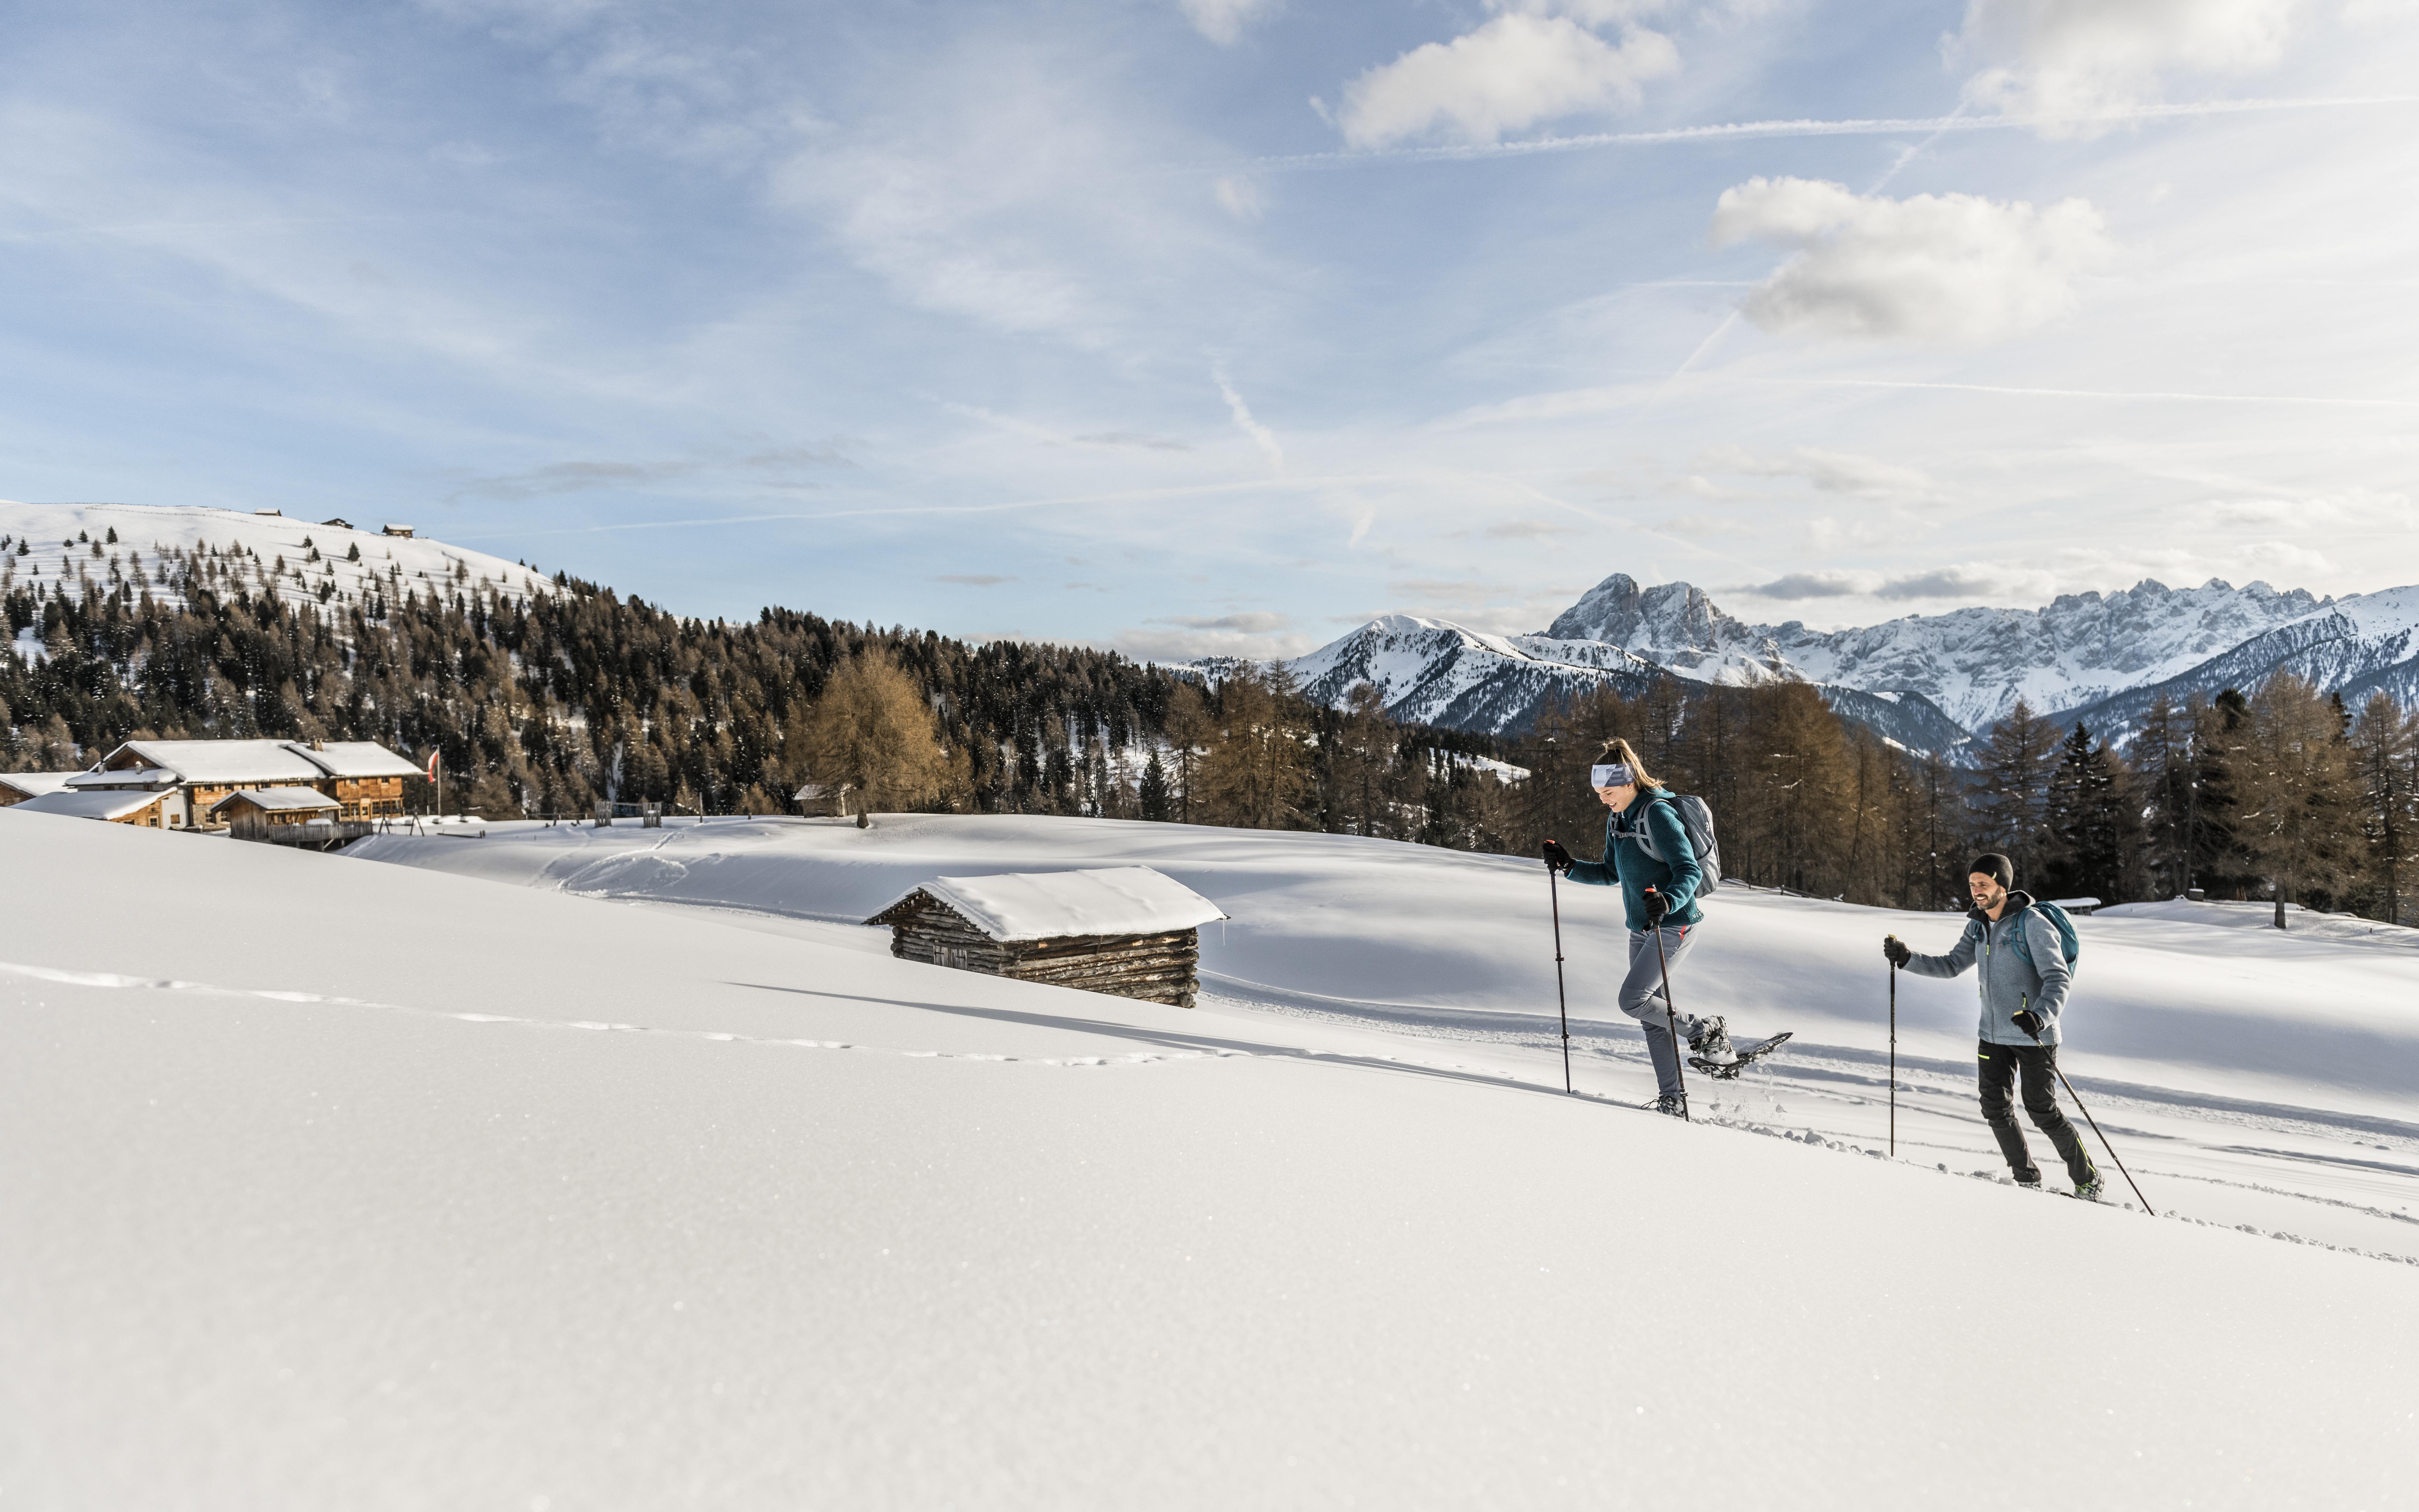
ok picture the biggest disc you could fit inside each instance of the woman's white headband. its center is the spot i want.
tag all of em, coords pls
(1616, 776)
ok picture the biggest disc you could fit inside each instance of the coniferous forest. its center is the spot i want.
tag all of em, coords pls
(575, 695)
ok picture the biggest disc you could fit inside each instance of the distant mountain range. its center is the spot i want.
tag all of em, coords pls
(1927, 682)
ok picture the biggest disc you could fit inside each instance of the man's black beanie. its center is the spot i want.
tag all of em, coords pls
(1994, 866)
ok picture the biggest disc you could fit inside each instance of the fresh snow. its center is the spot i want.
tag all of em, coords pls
(345, 1183)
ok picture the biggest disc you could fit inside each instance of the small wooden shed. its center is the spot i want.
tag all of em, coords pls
(1126, 930)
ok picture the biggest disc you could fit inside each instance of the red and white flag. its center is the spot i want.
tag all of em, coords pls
(432, 766)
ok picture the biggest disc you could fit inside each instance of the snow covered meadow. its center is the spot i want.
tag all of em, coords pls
(565, 1167)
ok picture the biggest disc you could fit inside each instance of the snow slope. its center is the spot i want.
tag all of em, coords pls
(563, 1204)
(147, 529)
(2191, 1033)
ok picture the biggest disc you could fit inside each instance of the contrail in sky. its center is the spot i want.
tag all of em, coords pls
(1879, 126)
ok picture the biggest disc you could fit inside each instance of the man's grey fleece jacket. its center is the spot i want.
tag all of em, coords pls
(2009, 982)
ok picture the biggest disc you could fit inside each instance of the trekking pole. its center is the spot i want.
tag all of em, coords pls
(1671, 1024)
(1893, 1074)
(1553, 896)
(2095, 1126)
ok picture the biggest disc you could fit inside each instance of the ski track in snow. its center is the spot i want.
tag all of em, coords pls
(1837, 1082)
(1147, 1058)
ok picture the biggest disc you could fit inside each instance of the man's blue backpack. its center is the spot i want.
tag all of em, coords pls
(2067, 942)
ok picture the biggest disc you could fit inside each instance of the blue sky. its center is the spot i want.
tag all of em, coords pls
(1194, 325)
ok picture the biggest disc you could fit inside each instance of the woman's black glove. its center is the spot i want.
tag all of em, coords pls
(1557, 858)
(1657, 906)
(2028, 1021)
(1896, 949)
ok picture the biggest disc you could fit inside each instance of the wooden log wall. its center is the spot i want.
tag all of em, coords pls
(1157, 968)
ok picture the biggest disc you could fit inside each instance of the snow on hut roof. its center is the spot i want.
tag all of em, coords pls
(280, 799)
(222, 760)
(34, 784)
(356, 758)
(1045, 906)
(75, 805)
(211, 762)
(125, 777)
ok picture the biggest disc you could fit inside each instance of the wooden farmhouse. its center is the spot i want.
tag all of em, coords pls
(1127, 931)
(364, 780)
(16, 787)
(113, 805)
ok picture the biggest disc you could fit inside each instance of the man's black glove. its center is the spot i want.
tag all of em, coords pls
(2028, 1021)
(1557, 858)
(1657, 906)
(1896, 949)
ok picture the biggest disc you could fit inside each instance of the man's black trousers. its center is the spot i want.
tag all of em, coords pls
(1999, 1066)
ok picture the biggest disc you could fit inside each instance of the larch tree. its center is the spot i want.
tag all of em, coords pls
(872, 730)
(2294, 788)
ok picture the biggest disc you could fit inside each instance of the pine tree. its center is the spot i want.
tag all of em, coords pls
(2010, 797)
(1154, 795)
(2094, 823)
(2385, 767)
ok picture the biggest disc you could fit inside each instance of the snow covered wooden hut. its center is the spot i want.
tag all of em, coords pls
(1126, 930)
(16, 787)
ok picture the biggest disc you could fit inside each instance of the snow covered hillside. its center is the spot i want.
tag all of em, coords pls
(296, 559)
(2188, 1032)
(339, 1183)
(1925, 681)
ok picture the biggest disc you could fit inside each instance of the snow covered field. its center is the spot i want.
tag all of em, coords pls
(336, 1184)
(2267, 1080)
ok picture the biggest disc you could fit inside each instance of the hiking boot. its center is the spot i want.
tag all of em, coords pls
(2088, 1191)
(1711, 1042)
(2031, 1183)
(1676, 1107)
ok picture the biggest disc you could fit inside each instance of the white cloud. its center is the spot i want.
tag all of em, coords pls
(2356, 508)
(1223, 21)
(1240, 198)
(1265, 439)
(1797, 585)
(1953, 269)
(1512, 72)
(1827, 470)
(2073, 57)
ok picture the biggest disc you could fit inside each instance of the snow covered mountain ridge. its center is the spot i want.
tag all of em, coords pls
(1926, 681)
(295, 559)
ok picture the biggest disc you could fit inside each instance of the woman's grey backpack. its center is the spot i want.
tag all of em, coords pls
(1697, 818)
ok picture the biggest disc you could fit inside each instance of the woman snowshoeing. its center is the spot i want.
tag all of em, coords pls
(1648, 856)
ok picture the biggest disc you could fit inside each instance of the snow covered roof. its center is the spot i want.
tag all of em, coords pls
(75, 805)
(1045, 906)
(356, 758)
(280, 799)
(33, 784)
(125, 777)
(256, 760)
(222, 761)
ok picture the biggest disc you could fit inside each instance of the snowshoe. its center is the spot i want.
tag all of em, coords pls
(1676, 1107)
(1711, 1043)
(1723, 1071)
(2088, 1191)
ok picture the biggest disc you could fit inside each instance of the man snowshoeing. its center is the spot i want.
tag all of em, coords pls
(1660, 899)
(2022, 992)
